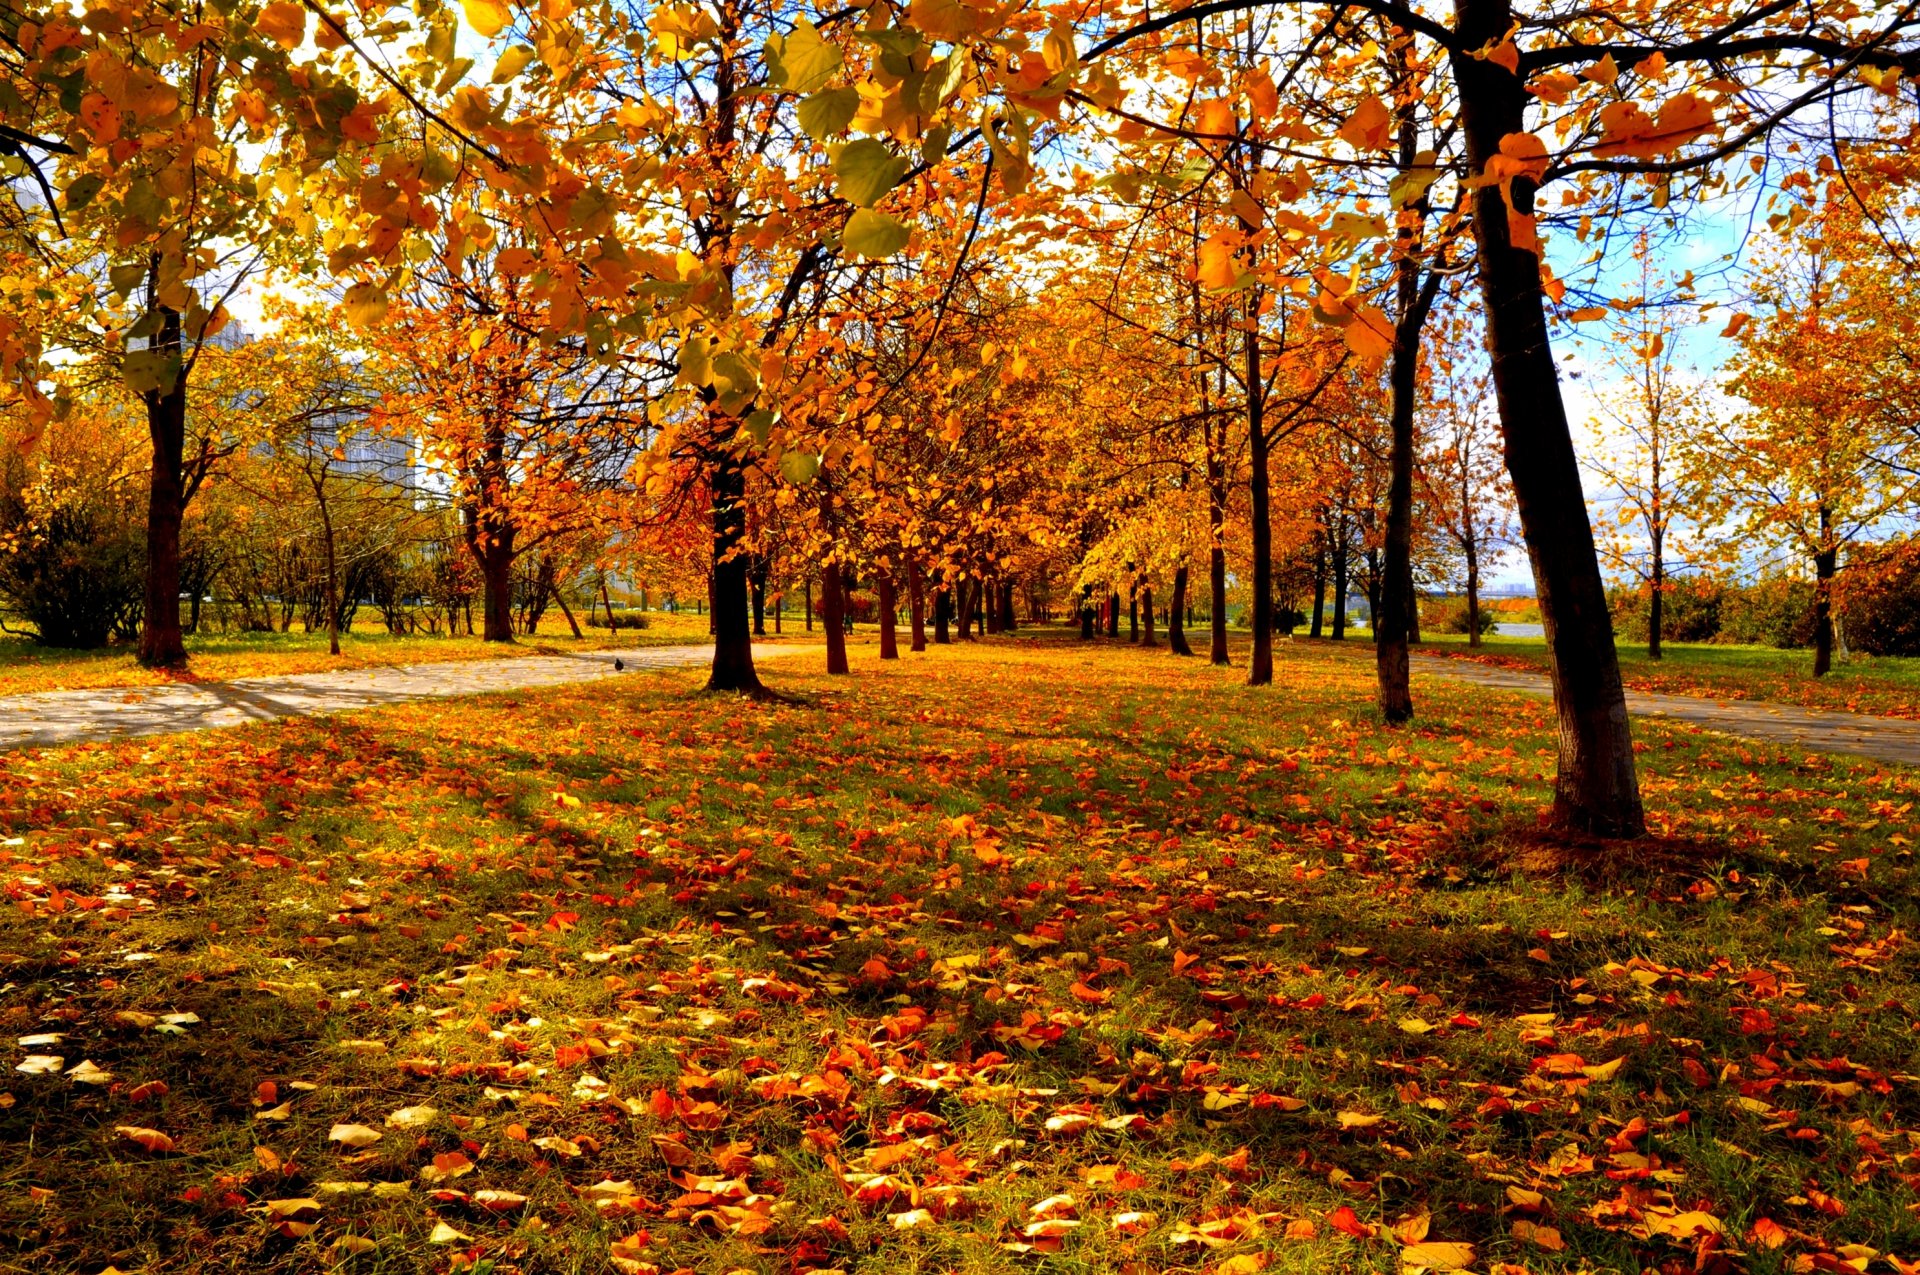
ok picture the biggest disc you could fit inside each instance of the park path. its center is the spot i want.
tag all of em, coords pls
(1881, 738)
(118, 712)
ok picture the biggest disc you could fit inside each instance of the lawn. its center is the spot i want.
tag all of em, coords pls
(219, 657)
(1888, 686)
(1012, 957)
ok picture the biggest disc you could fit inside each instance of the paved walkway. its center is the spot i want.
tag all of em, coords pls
(117, 712)
(1882, 738)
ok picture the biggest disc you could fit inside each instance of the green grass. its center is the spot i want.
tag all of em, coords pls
(908, 942)
(1884, 685)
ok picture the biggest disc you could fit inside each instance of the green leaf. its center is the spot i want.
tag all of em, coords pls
(933, 147)
(760, 424)
(81, 190)
(512, 62)
(802, 62)
(150, 371)
(696, 362)
(800, 468)
(1408, 186)
(867, 170)
(826, 114)
(126, 278)
(872, 234)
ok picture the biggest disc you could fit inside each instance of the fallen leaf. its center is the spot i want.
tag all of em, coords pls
(354, 1135)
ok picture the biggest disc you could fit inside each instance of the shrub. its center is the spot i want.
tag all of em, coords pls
(1454, 617)
(1691, 610)
(1880, 603)
(1772, 611)
(72, 553)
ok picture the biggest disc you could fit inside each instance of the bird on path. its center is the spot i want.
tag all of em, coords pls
(619, 665)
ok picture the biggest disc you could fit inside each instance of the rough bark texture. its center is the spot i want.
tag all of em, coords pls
(495, 554)
(1260, 663)
(732, 621)
(889, 637)
(161, 643)
(833, 614)
(1595, 790)
(916, 608)
(1176, 615)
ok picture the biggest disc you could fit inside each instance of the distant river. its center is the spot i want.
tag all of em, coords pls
(1521, 630)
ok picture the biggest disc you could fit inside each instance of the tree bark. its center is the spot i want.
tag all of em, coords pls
(496, 585)
(1656, 604)
(942, 614)
(1825, 567)
(1473, 592)
(567, 611)
(1133, 612)
(833, 615)
(1340, 550)
(889, 638)
(1113, 613)
(1176, 614)
(1008, 621)
(1146, 614)
(757, 574)
(333, 571)
(162, 645)
(916, 608)
(1319, 626)
(1596, 790)
(732, 622)
(1260, 663)
(1087, 613)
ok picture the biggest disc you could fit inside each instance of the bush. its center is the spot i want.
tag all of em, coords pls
(1691, 611)
(1773, 611)
(1880, 603)
(629, 620)
(1454, 617)
(72, 554)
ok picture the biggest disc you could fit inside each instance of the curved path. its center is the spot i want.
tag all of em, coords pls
(118, 712)
(1891, 739)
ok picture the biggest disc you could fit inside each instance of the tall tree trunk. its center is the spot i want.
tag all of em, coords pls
(989, 606)
(732, 622)
(1133, 611)
(607, 602)
(1340, 551)
(1008, 620)
(1319, 626)
(1473, 591)
(889, 638)
(1595, 790)
(916, 607)
(757, 575)
(1176, 614)
(1113, 613)
(1088, 613)
(1146, 613)
(1260, 663)
(496, 585)
(161, 643)
(942, 614)
(333, 573)
(1398, 616)
(969, 599)
(1656, 604)
(1825, 566)
(833, 616)
(808, 600)
(561, 598)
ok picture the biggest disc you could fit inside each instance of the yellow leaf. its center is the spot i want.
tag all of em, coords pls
(1370, 336)
(1369, 127)
(1437, 1255)
(1540, 1236)
(1602, 72)
(1737, 322)
(284, 22)
(1358, 1120)
(488, 17)
(1247, 209)
(354, 1135)
(150, 1139)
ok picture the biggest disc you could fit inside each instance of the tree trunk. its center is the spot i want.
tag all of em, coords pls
(496, 580)
(1319, 626)
(1656, 604)
(1340, 580)
(969, 600)
(833, 616)
(333, 574)
(1008, 621)
(809, 603)
(758, 576)
(1146, 612)
(161, 643)
(889, 638)
(1176, 614)
(1473, 591)
(608, 603)
(1595, 790)
(1396, 618)
(1113, 613)
(1825, 565)
(1087, 613)
(1260, 663)
(989, 606)
(942, 614)
(567, 611)
(916, 608)
(732, 622)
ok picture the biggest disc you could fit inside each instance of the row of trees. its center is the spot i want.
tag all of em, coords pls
(945, 295)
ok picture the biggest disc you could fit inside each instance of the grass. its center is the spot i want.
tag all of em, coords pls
(219, 657)
(1019, 956)
(1888, 686)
